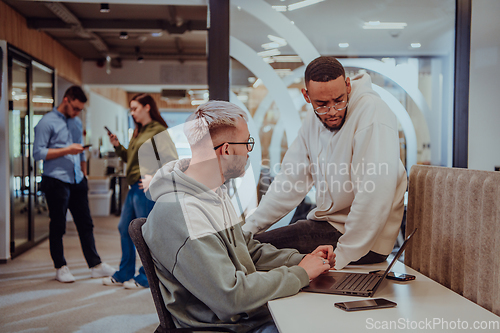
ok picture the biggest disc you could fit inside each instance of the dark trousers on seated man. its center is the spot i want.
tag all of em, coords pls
(307, 235)
(60, 197)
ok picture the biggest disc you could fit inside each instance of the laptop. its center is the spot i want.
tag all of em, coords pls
(352, 284)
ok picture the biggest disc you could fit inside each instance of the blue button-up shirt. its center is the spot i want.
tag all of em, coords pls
(54, 130)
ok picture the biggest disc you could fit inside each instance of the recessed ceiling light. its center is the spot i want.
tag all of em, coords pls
(257, 83)
(287, 59)
(104, 8)
(269, 53)
(279, 8)
(302, 4)
(343, 45)
(271, 45)
(275, 42)
(416, 45)
(384, 25)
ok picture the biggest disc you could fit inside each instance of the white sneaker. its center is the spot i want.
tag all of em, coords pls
(64, 275)
(110, 281)
(132, 284)
(102, 270)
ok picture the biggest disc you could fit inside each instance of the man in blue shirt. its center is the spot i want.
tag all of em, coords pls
(58, 142)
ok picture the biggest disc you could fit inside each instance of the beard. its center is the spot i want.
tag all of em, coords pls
(333, 128)
(236, 166)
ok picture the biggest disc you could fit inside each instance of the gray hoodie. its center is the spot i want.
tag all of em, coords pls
(206, 264)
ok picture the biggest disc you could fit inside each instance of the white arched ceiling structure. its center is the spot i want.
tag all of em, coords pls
(259, 115)
(390, 72)
(246, 185)
(256, 154)
(405, 121)
(249, 58)
(307, 52)
(263, 11)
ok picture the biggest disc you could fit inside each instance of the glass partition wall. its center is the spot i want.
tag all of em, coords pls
(31, 95)
(406, 46)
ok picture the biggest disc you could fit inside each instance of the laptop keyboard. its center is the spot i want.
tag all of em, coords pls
(357, 282)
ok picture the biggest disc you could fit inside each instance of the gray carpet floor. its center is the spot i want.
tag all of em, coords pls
(31, 300)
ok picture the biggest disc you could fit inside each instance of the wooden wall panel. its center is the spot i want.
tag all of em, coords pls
(172, 103)
(14, 30)
(117, 95)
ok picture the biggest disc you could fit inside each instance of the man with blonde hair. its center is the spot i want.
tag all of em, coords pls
(207, 266)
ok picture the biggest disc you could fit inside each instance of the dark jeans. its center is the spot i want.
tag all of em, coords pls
(307, 235)
(60, 196)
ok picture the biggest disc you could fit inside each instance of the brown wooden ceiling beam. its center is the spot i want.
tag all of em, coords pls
(119, 25)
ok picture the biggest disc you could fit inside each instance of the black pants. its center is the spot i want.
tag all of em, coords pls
(307, 235)
(60, 196)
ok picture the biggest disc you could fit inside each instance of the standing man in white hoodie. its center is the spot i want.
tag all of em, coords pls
(348, 148)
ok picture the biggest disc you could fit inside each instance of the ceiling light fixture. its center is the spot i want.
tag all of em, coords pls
(275, 42)
(269, 53)
(257, 83)
(416, 45)
(156, 34)
(271, 45)
(123, 35)
(384, 25)
(343, 45)
(279, 8)
(198, 101)
(104, 8)
(288, 59)
(279, 40)
(302, 4)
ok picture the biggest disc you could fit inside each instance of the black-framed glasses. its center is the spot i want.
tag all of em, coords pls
(76, 109)
(322, 110)
(339, 106)
(250, 143)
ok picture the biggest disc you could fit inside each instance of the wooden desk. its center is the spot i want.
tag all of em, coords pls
(423, 305)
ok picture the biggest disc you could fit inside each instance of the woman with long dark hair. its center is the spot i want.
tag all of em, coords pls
(148, 123)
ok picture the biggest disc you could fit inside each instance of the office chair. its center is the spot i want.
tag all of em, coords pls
(458, 214)
(166, 323)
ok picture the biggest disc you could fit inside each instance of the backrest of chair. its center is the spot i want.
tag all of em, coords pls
(457, 212)
(135, 231)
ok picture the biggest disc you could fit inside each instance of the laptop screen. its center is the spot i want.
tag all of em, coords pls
(400, 252)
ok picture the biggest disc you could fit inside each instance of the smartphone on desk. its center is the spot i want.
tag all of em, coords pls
(397, 276)
(400, 276)
(366, 304)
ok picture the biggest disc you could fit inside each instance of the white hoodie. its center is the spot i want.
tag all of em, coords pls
(359, 178)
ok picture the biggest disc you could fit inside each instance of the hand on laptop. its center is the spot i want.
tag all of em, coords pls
(326, 252)
(318, 261)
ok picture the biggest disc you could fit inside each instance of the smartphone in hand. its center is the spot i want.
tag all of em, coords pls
(87, 146)
(107, 129)
(367, 304)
